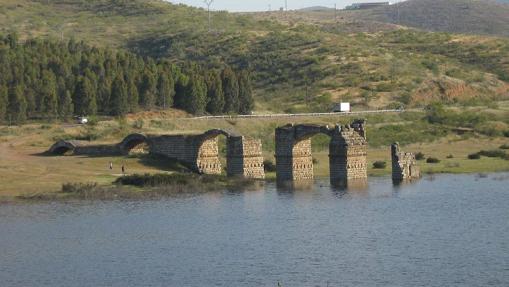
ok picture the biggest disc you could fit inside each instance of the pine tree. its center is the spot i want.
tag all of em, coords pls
(49, 97)
(180, 91)
(66, 106)
(215, 97)
(246, 101)
(148, 90)
(3, 102)
(133, 96)
(84, 98)
(16, 110)
(103, 94)
(165, 91)
(119, 105)
(196, 95)
(230, 90)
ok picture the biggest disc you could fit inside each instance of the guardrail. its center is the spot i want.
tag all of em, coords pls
(299, 115)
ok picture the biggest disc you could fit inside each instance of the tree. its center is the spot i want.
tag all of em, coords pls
(148, 90)
(49, 97)
(133, 96)
(165, 91)
(16, 110)
(84, 98)
(196, 95)
(215, 97)
(180, 91)
(246, 101)
(3, 102)
(230, 90)
(66, 106)
(119, 105)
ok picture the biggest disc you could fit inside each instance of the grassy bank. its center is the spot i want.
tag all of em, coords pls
(25, 170)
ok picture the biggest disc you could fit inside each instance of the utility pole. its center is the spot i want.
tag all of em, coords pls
(335, 12)
(286, 5)
(208, 3)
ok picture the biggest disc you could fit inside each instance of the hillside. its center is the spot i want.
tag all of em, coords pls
(303, 63)
(486, 17)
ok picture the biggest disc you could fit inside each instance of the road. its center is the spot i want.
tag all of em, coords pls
(299, 115)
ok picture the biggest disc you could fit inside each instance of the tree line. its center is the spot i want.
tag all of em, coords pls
(52, 79)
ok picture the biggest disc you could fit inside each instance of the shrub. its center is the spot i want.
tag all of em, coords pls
(419, 156)
(269, 166)
(379, 164)
(474, 156)
(138, 124)
(450, 156)
(315, 161)
(493, 153)
(432, 160)
(506, 134)
(504, 146)
(78, 187)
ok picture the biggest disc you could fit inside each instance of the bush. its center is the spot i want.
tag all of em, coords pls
(506, 134)
(138, 124)
(504, 146)
(432, 160)
(269, 166)
(379, 164)
(78, 187)
(450, 156)
(474, 156)
(493, 153)
(419, 156)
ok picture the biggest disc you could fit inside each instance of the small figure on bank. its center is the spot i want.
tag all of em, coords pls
(111, 165)
(123, 170)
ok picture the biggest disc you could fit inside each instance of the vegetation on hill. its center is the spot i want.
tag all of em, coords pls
(48, 79)
(457, 16)
(297, 65)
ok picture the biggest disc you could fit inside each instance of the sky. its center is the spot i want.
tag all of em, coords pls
(263, 5)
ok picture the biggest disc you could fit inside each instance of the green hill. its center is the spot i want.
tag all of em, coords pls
(298, 65)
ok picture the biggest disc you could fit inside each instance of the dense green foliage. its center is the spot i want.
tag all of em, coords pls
(49, 79)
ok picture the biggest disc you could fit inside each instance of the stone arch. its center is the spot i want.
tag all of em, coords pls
(132, 141)
(347, 151)
(63, 147)
(243, 155)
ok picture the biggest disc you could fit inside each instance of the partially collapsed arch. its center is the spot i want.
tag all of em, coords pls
(63, 147)
(132, 141)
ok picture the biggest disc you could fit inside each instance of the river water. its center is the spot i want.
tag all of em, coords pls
(449, 230)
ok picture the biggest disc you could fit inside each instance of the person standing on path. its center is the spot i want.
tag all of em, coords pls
(111, 165)
(123, 170)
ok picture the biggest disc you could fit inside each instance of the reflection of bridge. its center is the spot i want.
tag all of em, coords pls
(347, 152)
(199, 152)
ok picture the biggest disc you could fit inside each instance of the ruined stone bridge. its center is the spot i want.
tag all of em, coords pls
(294, 160)
(347, 152)
(198, 152)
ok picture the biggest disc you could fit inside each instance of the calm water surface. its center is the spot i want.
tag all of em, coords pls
(452, 230)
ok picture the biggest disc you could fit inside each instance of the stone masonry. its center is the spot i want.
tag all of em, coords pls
(198, 152)
(404, 165)
(347, 152)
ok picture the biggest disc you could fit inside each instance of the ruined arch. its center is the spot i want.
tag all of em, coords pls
(347, 151)
(63, 147)
(132, 141)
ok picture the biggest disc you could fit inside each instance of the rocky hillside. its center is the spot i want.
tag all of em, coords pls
(305, 64)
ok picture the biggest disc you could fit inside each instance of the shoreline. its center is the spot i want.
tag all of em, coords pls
(196, 186)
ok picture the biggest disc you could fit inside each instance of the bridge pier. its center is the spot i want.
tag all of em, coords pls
(347, 152)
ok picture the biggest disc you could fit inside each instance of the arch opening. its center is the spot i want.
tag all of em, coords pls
(62, 150)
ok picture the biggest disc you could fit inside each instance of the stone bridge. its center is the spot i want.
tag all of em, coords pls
(198, 152)
(347, 152)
